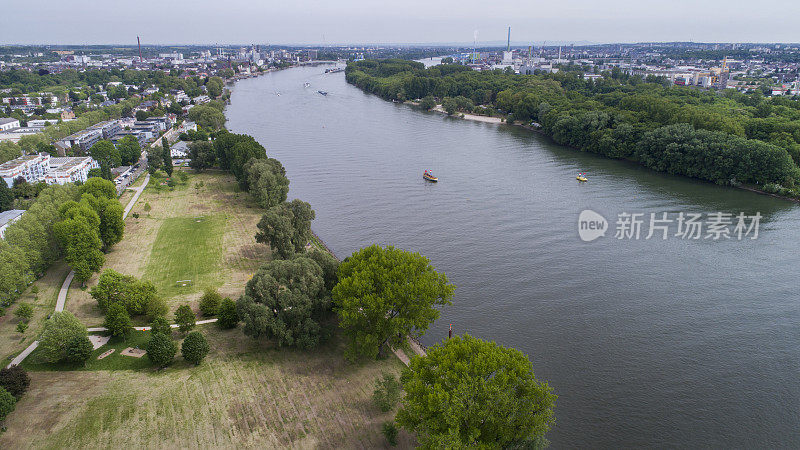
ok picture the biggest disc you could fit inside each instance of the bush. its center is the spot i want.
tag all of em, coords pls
(7, 402)
(209, 303)
(195, 347)
(24, 311)
(118, 321)
(428, 102)
(390, 432)
(22, 326)
(387, 392)
(79, 350)
(161, 325)
(184, 318)
(15, 380)
(227, 315)
(161, 349)
(147, 207)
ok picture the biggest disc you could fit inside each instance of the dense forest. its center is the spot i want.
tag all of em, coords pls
(726, 138)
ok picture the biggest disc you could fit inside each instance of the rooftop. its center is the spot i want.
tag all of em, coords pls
(8, 216)
(6, 120)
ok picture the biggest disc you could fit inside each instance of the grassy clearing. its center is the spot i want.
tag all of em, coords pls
(246, 394)
(187, 255)
(166, 244)
(11, 341)
(115, 361)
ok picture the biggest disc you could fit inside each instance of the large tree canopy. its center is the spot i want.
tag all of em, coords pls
(286, 227)
(286, 300)
(384, 294)
(470, 393)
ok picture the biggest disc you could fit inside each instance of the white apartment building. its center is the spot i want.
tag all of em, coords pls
(31, 168)
(7, 123)
(70, 169)
(7, 218)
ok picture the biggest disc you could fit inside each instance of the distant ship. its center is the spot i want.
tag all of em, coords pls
(323, 92)
(306, 84)
(334, 70)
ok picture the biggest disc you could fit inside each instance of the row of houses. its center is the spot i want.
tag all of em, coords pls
(115, 130)
(43, 167)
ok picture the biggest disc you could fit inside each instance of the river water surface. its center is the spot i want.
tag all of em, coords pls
(687, 343)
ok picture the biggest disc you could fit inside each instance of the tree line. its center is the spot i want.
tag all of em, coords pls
(740, 138)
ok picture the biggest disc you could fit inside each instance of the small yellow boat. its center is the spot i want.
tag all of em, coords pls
(582, 178)
(429, 176)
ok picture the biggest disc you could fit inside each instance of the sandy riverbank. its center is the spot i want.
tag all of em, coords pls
(475, 117)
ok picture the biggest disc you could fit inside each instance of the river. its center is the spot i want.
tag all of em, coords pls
(660, 343)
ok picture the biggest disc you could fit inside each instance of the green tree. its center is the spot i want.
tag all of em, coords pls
(266, 181)
(59, 330)
(138, 297)
(195, 347)
(202, 155)
(154, 158)
(15, 380)
(329, 265)
(227, 315)
(161, 350)
(78, 234)
(6, 196)
(110, 211)
(285, 300)
(7, 402)
(214, 86)
(286, 227)
(209, 302)
(79, 350)
(428, 102)
(24, 311)
(99, 188)
(449, 105)
(129, 150)
(167, 157)
(486, 396)
(384, 294)
(118, 321)
(386, 393)
(160, 325)
(105, 154)
(184, 318)
(207, 117)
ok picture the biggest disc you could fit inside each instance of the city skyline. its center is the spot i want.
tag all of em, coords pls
(412, 22)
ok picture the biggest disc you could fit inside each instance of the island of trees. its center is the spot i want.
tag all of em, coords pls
(728, 138)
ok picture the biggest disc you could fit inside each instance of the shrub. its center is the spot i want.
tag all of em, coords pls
(15, 380)
(34, 289)
(209, 303)
(195, 347)
(227, 315)
(428, 102)
(184, 318)
(7, 402)
(118, 321)
(147, 207)
(390, 432)
(161, 349)
(161, 325)
(24, 311)
(22, 326)
(79, 350)
(387, 392)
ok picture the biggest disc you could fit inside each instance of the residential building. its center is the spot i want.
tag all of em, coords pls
(7, 218)
(84, 139)
(15, 134)
(8, 123)
(108, 128)
(70, 169)
(200, 99)
(31, 168)
(139, 135)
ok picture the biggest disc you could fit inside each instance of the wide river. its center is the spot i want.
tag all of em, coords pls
(648, 342)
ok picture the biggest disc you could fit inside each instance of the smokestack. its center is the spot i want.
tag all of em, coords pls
(508, 46)
(139, 43)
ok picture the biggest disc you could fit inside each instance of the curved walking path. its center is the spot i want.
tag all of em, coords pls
(62, 293)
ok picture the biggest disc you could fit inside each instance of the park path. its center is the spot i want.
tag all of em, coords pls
(62, 293)
(199, 322)
(415, 348)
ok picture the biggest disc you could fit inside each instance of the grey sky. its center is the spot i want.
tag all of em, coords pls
(409, 21)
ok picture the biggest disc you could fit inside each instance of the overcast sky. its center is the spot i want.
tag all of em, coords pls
(409, 21)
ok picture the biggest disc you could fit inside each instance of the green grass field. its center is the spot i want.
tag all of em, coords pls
(187, 250)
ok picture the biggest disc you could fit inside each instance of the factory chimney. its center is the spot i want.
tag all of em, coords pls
(139, 43)
(508, 45)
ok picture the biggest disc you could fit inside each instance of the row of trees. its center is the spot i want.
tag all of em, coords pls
(613, 115)
(89, 227)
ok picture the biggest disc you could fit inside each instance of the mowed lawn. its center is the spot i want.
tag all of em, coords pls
(187, 255)
(202, 232)
(246, 394)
